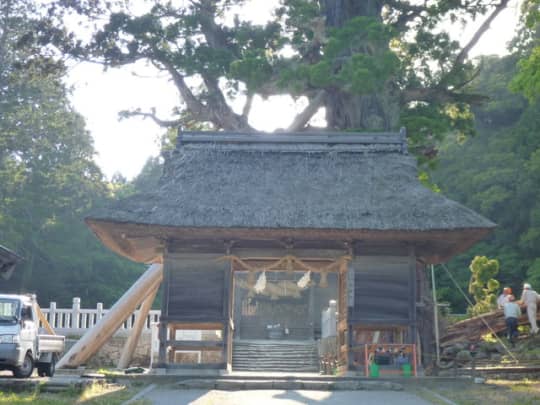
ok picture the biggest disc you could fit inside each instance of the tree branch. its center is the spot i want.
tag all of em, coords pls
(196, 108)
(247, 106)
(408, 12)
(439, 95)
(153, 116)
(221, 113)
(478, 34)
(303, 118)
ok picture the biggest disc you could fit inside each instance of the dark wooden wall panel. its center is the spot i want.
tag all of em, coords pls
(197, 287)
(382, 288)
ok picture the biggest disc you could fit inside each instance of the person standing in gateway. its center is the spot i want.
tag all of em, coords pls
(529, 298)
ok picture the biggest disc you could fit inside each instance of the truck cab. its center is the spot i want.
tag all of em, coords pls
(21, 346)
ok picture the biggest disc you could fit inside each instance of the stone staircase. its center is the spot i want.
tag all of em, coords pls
(275, 356)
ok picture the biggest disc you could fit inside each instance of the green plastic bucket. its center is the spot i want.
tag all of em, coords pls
(407, 371)
(374, 370)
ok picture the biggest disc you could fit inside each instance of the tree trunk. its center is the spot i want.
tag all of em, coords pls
(366, 112)
(370, 112)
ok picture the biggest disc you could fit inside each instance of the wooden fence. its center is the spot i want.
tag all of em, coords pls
(76, 320)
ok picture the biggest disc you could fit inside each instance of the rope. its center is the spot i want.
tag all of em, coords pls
(285, 263)
(481, 316)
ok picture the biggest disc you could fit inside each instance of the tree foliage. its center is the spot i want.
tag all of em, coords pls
(527, 79)
(497, 173)
(482, 285)
(369, 65)
(48, 177)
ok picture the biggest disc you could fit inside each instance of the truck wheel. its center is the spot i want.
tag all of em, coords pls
(47, 369)
(26, 368)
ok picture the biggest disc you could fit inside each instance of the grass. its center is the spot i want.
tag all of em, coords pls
(493, 392)
(96, 394)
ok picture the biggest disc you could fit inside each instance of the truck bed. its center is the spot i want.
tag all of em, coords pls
(51, 343)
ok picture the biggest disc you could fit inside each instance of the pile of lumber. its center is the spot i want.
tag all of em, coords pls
(472, 329)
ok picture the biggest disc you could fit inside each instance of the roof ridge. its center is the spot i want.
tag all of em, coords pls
(325, 139)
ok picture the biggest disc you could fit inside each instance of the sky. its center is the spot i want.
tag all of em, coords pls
(123, 146)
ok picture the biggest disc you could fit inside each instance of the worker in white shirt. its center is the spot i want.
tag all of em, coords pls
(512, 312)
(506, 292)
(529, 298)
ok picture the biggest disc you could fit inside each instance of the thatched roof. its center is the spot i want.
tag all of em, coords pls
(347, 182)
(8, 260)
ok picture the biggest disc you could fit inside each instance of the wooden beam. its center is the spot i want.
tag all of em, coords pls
(195, 344)
(133, 339)
(44, 321)
(433, 246)
(202, 366)
(96, 337)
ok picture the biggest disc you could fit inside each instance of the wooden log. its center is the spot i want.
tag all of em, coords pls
(133, 339)
(96, 337)
(44, 321)
(472, 329)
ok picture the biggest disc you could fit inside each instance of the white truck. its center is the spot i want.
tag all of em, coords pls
(21, 346)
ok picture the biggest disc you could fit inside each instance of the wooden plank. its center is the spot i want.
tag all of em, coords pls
(195, 344)
(277, 253)
(133, 339)
(44, 321)
(94, 339)
(382, 288)
(196, 289)
(201, 366)
(378, 321)
(196, 325)
(193, 319)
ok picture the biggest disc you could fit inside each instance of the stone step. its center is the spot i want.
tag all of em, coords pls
(310, 383)
(270, 353)
(295, 356)
(277, 360)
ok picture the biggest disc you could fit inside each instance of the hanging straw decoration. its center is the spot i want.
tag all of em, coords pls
(304, 281)
(260, 285)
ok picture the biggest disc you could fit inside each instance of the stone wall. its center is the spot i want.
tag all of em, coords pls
(109, 354)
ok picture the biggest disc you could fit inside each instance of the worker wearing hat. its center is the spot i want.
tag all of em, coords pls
(503, 298)
(529, 298)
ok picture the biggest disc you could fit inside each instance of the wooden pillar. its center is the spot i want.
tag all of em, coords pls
(163, 325)
(94, 339)
(412, 292)
(140, 320)
(343, 309)
(311, 310)
(227, 333)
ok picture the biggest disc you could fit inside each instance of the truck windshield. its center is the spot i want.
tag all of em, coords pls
(9, 310)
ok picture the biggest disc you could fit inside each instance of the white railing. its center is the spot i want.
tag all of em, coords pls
(76, 320)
